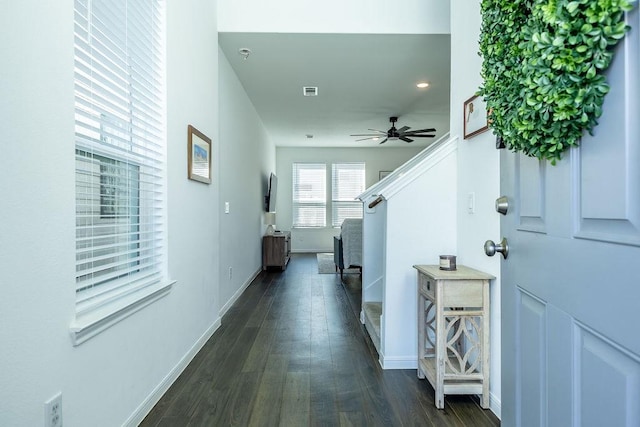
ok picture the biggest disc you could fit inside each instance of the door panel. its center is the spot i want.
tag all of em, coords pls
(609, 380)
(532, 357)
(571, 283)
(608, 174)
(531, 193)
(608, 185)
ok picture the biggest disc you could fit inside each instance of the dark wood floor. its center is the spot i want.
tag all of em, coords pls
(292, 352)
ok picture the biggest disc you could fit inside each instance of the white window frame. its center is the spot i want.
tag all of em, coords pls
(347, 183)
(309, 202)
(120, 161)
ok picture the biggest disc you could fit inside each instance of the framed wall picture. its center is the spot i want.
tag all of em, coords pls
(475, 116)
(199, 164)
(383, 174)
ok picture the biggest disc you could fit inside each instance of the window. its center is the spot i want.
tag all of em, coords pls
(107, 221)
(119, 188)
(120, 151)
(347, 183)
(309, 195)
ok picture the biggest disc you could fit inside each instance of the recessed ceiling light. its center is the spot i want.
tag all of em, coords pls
(422, 85)
(309, 136)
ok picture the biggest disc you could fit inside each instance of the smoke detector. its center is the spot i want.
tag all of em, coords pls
(245, 52)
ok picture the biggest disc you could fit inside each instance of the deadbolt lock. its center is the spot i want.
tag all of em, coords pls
(502, 205)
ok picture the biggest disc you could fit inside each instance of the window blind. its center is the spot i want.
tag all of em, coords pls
(347, 183)
(119, 147)
(309, 195)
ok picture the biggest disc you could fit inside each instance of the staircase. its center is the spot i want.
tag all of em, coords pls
(409, 218)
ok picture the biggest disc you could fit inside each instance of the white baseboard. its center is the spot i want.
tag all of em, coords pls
(147, 405)
(239, 292)
(398, 362)
(495, 405)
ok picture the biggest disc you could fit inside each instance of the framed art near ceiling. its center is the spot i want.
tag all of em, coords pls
(199, 165)
(383, 174)
(475, 116)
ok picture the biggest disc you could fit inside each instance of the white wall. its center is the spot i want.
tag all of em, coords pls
(335, 16)
(37, 258)
(376, 160)
(478, 171)
(107, 380)
(248, 159)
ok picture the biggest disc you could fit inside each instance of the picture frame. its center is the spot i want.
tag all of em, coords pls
(383, 174)
(199, 156)
(475, 117)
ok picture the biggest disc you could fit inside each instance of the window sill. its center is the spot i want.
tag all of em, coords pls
(87, 326)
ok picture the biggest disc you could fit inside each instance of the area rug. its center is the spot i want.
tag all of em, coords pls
(327, 266)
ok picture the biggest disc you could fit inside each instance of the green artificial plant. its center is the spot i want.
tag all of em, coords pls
(543, 65)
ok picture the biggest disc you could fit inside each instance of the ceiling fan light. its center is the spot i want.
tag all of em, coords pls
(422, 85)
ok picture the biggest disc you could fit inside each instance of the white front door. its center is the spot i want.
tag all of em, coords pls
(571, 282)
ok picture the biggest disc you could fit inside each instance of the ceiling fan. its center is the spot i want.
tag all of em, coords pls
(403, 133)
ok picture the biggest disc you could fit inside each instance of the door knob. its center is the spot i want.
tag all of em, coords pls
(490, 248)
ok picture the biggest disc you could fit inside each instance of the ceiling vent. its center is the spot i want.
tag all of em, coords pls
(310, 91)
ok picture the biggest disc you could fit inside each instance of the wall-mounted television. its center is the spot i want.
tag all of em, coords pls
(272, 192)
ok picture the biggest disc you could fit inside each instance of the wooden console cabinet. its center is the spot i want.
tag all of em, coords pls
(276, 250)
(453, 331)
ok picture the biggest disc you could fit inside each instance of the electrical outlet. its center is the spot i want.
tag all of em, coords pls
(53, 411)
(230, 272)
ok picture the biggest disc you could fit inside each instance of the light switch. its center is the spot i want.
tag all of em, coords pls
(471, 203)
(226, 207)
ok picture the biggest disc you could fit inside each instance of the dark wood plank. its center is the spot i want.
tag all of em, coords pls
(352, 419)
(268, 403)
(296, 400)
(256, 359)
(210, 406)
(322, 398)
(230, 407)
(470, 412)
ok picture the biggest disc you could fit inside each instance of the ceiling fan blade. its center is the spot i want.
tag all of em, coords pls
(405, 139)
(384, 140)
(403, 129)
(376, 130)
(421, 130)
(420, 136)
(368, 134)
(375, 138)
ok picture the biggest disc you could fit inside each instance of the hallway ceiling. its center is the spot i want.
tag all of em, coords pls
(362, 80)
